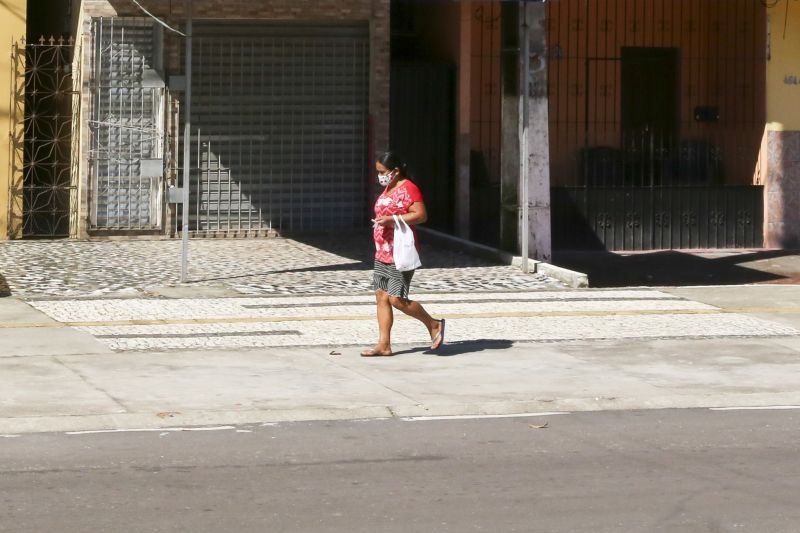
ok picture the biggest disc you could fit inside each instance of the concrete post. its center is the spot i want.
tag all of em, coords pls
(536, 148)
(782, 135)
(538, 139)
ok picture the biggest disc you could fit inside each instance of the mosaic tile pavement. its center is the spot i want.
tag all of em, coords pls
(272, 322)
(331, 264)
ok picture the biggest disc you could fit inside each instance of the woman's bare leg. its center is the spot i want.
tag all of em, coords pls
(385, 321)
(415, 310)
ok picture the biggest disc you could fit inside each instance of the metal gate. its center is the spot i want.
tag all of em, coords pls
(42, 193)
(127, 125)
(656, 120)
(282, 117)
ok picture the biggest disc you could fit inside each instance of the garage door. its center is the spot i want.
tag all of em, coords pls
(282, 117)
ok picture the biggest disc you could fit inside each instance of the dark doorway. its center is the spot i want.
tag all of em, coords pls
(424, 55)
(49, 18)
(422, 123)
(650, 92)
(649, 107)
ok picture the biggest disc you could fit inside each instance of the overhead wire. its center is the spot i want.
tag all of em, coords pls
(146, 12)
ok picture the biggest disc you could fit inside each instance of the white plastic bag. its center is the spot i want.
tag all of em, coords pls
(405, 250)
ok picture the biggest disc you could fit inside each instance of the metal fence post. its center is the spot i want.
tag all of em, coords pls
(186, 156)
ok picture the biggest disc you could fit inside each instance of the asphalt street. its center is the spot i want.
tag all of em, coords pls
(690, 471)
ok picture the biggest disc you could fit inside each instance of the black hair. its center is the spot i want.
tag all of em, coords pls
(392, 160)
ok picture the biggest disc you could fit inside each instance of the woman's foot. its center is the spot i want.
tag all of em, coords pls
(437, 334)
(377, 351)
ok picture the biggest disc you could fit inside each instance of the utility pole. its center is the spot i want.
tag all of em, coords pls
(186, 154)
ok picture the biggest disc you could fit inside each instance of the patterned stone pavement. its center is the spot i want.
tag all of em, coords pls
(332, 264)
(541, 316)
(272, 293)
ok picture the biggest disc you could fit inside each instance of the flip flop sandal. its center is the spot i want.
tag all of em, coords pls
(438, 340)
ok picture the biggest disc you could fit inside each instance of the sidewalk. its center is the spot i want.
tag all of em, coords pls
(150, 362)
(311, 264)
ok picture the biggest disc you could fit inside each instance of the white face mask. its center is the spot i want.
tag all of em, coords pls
(385, 179)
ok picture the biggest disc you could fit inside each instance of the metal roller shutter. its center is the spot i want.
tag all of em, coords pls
(282, 117)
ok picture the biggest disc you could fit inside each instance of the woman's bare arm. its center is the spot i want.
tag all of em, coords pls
(417, 214)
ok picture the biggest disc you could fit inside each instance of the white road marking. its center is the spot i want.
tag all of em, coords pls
(477, 417)
(218, 428)
(757, 408)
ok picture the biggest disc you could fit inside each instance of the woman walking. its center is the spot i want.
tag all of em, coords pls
(399, 197)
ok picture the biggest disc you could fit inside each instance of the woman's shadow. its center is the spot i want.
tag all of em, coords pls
(462, 347)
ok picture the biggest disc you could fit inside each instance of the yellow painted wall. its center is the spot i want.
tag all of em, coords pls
(783, 67)
(13, 17)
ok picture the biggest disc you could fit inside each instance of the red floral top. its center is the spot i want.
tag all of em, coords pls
(396, 202)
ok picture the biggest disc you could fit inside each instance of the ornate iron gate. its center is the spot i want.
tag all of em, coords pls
(656, 121)
(42, 192)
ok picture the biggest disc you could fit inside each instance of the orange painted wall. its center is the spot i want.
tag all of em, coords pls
(722, 50)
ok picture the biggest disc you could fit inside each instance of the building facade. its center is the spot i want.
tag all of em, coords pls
(656, 124)
(287, 100)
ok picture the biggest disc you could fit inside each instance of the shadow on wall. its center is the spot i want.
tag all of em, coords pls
(673, 268)
(13, 10)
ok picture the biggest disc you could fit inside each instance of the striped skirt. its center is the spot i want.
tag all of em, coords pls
(387, 278)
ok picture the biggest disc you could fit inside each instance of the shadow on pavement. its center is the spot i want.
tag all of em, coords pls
(358, 246)
(450, 349)
(5, 290)
(680, 268)
(363, 266)
(355, 245)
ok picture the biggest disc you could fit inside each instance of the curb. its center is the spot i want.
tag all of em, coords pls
(229, 419)
(574, 279)
(571, 278)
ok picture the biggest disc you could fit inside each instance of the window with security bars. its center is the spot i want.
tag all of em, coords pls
(126, 124)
